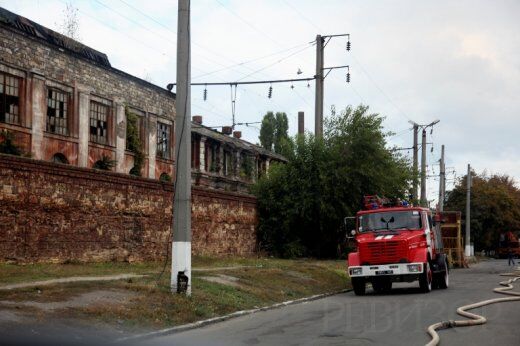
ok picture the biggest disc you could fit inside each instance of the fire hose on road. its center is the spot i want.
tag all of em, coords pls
(475, 319)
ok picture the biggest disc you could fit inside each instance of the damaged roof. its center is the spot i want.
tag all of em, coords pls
(232, 141)
(40, 32)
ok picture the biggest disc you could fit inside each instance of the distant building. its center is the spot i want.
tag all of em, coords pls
(64, 102)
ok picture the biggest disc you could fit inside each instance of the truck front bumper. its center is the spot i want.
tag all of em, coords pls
(386, 269)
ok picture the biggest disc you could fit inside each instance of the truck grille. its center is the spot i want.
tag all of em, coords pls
(383, 252)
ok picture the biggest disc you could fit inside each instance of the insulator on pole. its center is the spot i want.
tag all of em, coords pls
(205, 94)
(270, 92)
(348, 45)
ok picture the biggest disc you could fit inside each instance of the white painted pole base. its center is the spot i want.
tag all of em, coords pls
(181, 262)
(467, 251)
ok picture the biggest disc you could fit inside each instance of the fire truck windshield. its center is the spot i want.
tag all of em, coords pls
(390, 220)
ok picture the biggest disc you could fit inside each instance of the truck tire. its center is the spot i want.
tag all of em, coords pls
(426, 278)
(359, 286)
(443, 278)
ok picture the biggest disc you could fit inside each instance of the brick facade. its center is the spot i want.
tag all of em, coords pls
(54, 212)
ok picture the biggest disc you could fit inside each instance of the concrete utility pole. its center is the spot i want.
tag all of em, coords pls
(467, 248)
(318, 121)
(301, 123)
(415, 160)
(442, 181)
(424, 201)
(181, 245)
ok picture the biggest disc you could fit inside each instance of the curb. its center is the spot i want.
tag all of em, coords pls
(198, 324)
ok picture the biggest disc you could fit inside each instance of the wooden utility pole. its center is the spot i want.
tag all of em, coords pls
(181, 244)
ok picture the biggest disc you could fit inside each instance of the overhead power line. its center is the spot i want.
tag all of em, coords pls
(273, 81)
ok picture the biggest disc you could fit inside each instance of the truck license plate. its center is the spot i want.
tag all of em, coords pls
(384, 272)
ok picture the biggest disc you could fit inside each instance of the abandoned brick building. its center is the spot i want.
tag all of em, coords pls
(70, 111)
(64, 102)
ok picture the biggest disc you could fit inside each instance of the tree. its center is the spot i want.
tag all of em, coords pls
(267, 131)
(494, 208)
(274, 132)
(302, 203)
(281, 135)
(70, 22)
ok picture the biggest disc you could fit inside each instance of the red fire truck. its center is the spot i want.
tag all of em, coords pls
(396, 243)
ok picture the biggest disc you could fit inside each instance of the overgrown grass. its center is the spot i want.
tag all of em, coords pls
(261, 282)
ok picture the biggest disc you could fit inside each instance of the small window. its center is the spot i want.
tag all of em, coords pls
(163, 140)
(99, 117)
(9, 99)
(57, 111)
(60, 158)
(165, 177)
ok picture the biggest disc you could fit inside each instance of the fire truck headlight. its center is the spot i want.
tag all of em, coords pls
(415, 268)
(356, 271)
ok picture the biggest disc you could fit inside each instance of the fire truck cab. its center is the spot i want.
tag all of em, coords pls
(396, 243)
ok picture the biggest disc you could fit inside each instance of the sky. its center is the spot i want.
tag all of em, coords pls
(411, 61)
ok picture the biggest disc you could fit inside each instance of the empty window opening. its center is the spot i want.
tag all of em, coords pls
(9, 99)
(60, 158)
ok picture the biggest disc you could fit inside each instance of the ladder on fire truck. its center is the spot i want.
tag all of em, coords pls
(452, 238)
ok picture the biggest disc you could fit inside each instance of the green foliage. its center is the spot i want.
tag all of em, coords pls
(280, 136)
(165, 177)
(246, 166)
(267, 131)
(106, 163)
(133, 142)
(273, 132)
(302, 204)
(7, 145)
(494, 208)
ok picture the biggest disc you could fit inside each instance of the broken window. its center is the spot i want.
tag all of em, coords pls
(99, 116)
(163, 140)
(57, 111)
(9, 99)
(228, 163)
(212, 157)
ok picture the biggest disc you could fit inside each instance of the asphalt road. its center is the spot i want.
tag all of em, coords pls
(398, 318)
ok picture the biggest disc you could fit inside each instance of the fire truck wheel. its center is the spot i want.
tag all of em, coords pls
(426, 278)
(359, 286)
(443, 280)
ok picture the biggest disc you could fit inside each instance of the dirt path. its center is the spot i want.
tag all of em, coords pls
(70, 279)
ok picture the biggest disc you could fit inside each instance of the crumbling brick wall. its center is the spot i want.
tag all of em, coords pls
(54, 212)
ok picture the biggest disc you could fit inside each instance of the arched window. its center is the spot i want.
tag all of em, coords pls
(135, 171)
(60, 158)
(165, 177)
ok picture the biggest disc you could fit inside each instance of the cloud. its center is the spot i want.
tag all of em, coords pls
(452, 60)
